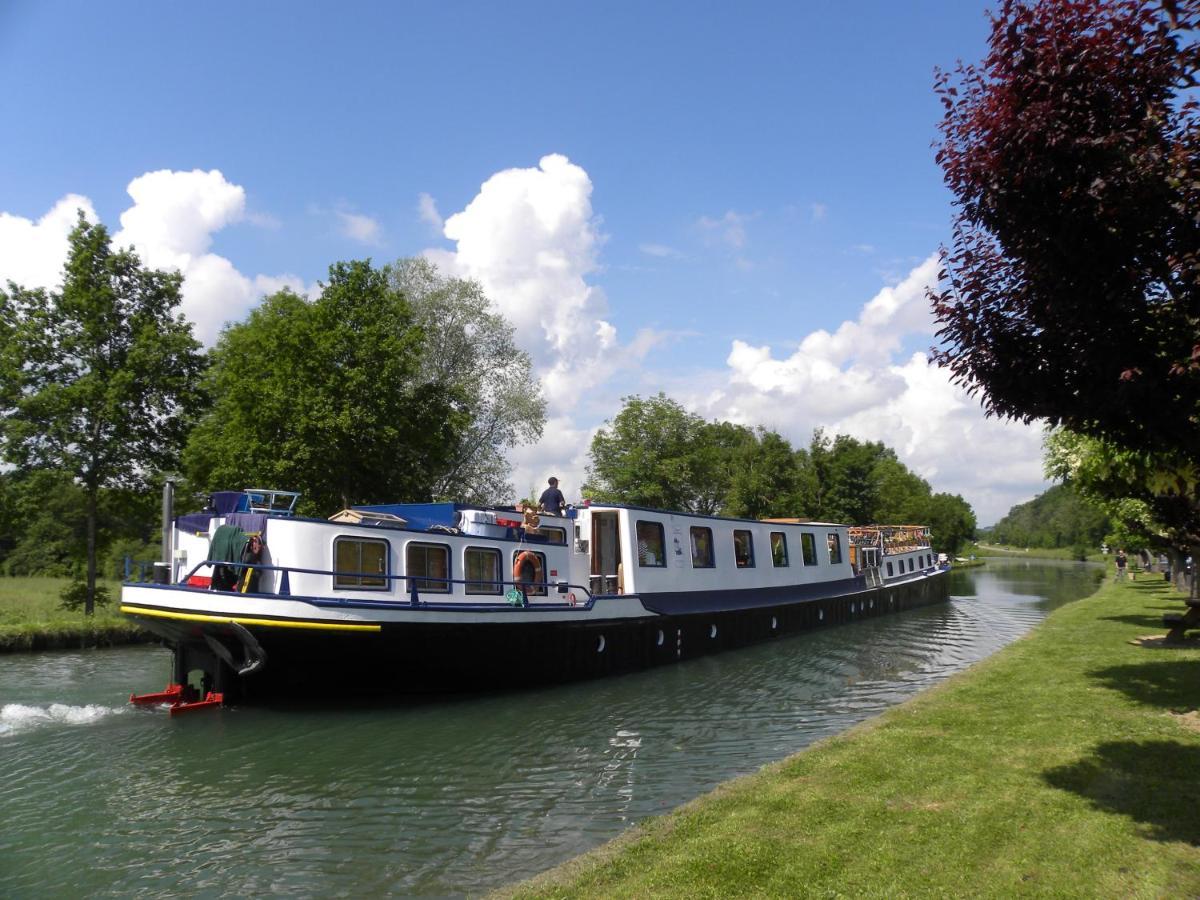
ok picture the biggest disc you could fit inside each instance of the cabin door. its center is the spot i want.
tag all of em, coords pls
(606, 552)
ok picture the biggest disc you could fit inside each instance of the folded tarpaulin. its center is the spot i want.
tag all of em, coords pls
(226, 502)
(251, 523)
(196, 523)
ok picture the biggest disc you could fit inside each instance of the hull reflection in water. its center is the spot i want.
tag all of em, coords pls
(441, 796)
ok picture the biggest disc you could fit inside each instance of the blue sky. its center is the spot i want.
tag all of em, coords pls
(735, 205)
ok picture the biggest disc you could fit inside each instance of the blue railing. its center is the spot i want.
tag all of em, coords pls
(415, 583)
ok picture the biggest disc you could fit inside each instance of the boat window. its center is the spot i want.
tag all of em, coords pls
(808, 548)
(779, 556)
(702, 548)
(554, 535)
(910, 564)
(529, 572)
(651, 545)
(482, 568)
(360, 564)
(835, 548)
(743, 548)
(889, 565)
(428, 567)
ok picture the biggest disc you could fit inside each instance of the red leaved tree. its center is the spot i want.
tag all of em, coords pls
(1071, 291)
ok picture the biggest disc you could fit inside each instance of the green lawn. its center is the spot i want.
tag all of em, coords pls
(1066, 765)
(30, 618)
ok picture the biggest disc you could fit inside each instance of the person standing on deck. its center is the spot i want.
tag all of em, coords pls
(552, 501)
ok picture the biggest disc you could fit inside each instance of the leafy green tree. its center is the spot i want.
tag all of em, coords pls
(765, 480)
(654, 453)
(845, 469)
(99, 377)
(904, 497)
(327, 398)
(1149, 495)
(951, 522)
(471, 349)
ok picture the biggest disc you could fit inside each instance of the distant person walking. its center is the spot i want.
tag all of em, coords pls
(1121, 562)
(552, 501)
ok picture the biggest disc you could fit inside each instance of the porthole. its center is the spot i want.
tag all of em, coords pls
(660, 637)
(712, 631)
(820, 615)
(600, 644)
(853, 609)
(774, 623)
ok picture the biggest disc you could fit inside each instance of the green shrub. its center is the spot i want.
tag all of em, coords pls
(74, 596)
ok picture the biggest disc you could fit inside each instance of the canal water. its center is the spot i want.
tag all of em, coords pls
(437, 796)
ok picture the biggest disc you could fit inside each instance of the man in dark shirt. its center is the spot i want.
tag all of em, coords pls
(552, 500)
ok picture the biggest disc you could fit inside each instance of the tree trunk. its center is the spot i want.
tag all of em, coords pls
(90, 605)
(1175, 559)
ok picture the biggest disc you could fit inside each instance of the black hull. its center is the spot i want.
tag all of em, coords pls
(424, 657)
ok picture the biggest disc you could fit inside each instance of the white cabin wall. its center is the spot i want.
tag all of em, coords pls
(680, 575)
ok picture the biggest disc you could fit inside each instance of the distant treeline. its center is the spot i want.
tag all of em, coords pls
(1057, 518)
(655, 453)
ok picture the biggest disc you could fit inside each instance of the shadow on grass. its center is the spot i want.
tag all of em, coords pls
(1170, 684)
(1152, 782)
(1152, 621)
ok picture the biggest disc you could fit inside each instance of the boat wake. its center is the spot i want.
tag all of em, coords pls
(19, 717)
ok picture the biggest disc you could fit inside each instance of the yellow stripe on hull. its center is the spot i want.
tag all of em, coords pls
(272, 623)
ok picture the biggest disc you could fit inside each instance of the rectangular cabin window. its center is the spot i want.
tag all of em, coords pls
(889, 565)
(910, 564)
(779, 555)
(702, 548)
(360, 564)
(529, 572)
(835, 548)
(482, 568)
(554, 535)
(651, 545)
(428, 567)
(743, 549)
(808, 549)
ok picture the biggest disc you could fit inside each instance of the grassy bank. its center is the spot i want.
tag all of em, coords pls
(1066, 765)
(1031, 552)
(967, 564)
(30, 618)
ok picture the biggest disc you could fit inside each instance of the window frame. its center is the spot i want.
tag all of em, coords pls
(482, 587)
(427, 584)
(662, 543)
(834, 543)
(808, 548)
(712, 550)
(787, 562)
(562, 532)
(889, 568)
(359, 576)
(750, 564)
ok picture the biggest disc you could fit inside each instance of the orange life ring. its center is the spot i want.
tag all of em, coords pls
(528, 556)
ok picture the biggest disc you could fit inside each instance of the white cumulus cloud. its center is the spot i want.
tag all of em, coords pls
(170, 224)
(855, 381)
(32, 253)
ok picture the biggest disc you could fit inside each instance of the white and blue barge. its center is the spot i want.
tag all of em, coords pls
(434, 596)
